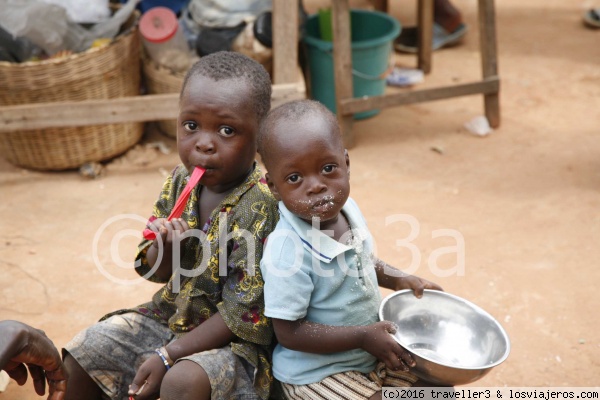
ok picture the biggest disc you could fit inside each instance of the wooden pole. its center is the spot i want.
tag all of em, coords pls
(342, 66)
(489, 60)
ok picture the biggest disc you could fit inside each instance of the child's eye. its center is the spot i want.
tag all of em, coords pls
(329, 168)
(226, 131)
(295, 178)
(190, 126)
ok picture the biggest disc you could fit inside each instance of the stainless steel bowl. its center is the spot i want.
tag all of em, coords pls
(453, 341)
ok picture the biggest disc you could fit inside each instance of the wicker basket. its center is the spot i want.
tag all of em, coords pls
(99, 73)
(160, 80)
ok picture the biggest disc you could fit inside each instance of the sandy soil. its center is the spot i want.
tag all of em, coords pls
(526, 200)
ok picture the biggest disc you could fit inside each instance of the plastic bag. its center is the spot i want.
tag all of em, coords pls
(49, 27)
(225, 13)
(247, 43)
(479, 126)
(84, 11)
(404, 77)
(45, 25)
(200, 15)
(16, 49)
(110, 27)
(211, 40)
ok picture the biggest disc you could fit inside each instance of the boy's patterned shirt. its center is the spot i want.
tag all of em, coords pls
(247, 215)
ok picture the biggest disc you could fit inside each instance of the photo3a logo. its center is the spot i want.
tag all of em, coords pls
(115, 243)
(457, 248)
(113, 249)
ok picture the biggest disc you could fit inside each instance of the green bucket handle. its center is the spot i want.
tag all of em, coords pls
(381, 76)
(324, 19)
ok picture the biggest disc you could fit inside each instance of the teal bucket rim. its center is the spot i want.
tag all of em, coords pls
(327, 45)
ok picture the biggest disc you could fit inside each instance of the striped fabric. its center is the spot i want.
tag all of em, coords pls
(350, 385)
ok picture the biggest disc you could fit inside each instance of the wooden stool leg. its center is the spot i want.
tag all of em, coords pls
(285, 41)
(425, 29)
(342, 65)
(489, 60)
(380, 5)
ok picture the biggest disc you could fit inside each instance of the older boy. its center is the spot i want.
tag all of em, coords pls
(204, 334)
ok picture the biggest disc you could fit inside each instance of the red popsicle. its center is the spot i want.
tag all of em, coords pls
(181, 201)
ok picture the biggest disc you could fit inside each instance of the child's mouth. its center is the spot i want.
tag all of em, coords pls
(206, 168)
(323, 205)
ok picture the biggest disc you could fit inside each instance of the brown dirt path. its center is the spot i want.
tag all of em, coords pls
(526, 199)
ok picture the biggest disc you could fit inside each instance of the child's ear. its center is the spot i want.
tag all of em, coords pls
(347, 157)
(272, 187)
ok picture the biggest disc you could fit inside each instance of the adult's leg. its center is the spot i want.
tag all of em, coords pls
(81, 385)
(446, 15)
(448, 29)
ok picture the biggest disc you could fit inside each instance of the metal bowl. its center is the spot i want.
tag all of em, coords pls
(453, 341)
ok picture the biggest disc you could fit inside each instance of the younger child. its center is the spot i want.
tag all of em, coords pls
(204, 334)
(321, 277)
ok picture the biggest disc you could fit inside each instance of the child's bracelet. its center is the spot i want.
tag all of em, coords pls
(163, 358)
(165, 353)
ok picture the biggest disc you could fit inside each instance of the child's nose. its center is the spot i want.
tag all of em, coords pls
(316, 186)
(205, 144)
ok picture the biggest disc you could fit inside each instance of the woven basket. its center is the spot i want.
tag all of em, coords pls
(160, 80)
(99, 73)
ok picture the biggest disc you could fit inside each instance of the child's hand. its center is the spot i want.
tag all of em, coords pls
(416, 284)
(382, 345)
(394, 279)
(147, 380)
(165, 230)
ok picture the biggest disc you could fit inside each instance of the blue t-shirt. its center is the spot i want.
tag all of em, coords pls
(310, 275)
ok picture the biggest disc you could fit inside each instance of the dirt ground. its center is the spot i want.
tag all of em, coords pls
(525, 199)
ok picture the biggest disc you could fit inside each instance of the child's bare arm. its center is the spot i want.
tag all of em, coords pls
(211, 334)
(310, 337)
(394, 279)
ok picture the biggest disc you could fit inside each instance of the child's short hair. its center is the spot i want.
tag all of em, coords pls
(291, 112)
(232, 65)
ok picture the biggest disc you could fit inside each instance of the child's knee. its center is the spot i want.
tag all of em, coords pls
(81, 385)
(74, 369)
(185, 380)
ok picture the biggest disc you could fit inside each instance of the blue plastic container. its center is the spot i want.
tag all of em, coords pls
(175, 5)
